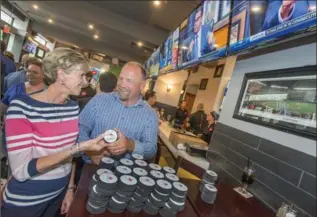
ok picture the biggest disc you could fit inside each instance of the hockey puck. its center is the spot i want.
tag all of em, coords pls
(137, 157)
(179, 189)
(117, 205)
(110, 136)
(153, 166)
(150, 209)
(163, 186)
(139, 172)
(172, 177)
(107, 163)
(156, 201)
(126, 162)
(127, 183)
(125, 193)
(102, 171)
(146, 183)
(142, 192)
(107, 181)
(209, 194)
(94, 209)
(135, 203)
(169, 170)
(140, 163)
(92, 182)
(116, 211)
(121, 197)
(210, 176)
(97, 203)
(177, 198)
(134, 209)
(155, 174)
(160, 196)
(122, 170)
(175, 205)
(138, 197)
(167, 211)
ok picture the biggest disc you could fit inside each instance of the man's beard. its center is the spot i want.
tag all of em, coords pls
(124, 93)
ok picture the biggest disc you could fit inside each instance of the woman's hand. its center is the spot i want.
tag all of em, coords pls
(68, 199)
(93, 145)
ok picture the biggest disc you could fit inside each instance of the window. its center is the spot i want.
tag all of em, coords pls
(6, 17)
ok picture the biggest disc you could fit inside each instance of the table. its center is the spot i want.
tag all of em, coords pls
(164, 134)
(228, 203)
(78, 207)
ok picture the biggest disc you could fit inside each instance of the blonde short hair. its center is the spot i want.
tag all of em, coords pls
(61, 58)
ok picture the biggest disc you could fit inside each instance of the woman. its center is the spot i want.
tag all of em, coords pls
(41, 149)
(211, 118)
(150, 98)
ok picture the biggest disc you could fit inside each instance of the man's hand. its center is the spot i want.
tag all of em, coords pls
(122, 145)
(287, 7)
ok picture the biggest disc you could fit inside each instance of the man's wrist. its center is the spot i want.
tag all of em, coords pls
(131, 145)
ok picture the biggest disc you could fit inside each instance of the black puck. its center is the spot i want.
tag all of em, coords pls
(122, 170)
(138, 197)
(139, 172)
(172, 177)
(127, 183)
(125, 193)
(175, 205)
(155, 201)
(153, 166)
(163, 186)
(93, 181)
(146, 183)
(177, 198)
(137, 157)
(179, 189)
(94, 209)
(106, 163)
(160, 196)
(169, 170)
(155, 174)
(134, 209)
(134, 202)
(117, 205)
(126, 162)
(150, 209)
(107, 181)
(141, 164)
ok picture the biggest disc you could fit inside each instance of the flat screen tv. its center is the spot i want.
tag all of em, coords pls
(152, 65)
(258, 22)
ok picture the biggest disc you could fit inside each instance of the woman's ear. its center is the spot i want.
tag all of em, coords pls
(60, 76)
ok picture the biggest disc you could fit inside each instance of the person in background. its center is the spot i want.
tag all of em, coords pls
(150, 97)
(181, 114)
(9, 55)
(107, 83)
(127, 113)
(19, 76)
(212, 119)
(24, 59)
(7, 65)
(198, 120)
(41, 148)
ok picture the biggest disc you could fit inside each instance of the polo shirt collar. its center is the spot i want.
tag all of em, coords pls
(140, 101)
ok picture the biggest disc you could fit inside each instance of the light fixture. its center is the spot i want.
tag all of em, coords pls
(140, 44)
(168, 88)
(157, 3)
(102, 70)
(182, 91)
(50, 20)
(90, 26)
(35, 7)
(96, 36)
(312, 7)
(256, 8)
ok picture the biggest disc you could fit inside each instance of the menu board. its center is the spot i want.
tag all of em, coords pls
(169, 53)
(255, 22)
(152, 65)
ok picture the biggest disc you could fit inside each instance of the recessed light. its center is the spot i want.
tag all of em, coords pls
(35, 7)
(157, 3)
(256, 8)
(96, 36)
(140, 44)
(50, 20)
(90, 26)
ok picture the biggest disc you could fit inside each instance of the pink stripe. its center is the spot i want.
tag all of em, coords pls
(74, 137)
(15, 127)
(36, 145)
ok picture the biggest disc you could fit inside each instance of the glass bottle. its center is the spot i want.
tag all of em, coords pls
(291, 213)
(282, 210)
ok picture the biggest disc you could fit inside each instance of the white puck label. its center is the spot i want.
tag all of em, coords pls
(169, 170)
(157, 174)
(147, 181)
(102, 171)
(128, 180)
(140, 171)
(137, 156)
(141, 163)
(172, 177)
(155, 166)
(210, 188)
(164, 184)
(110, 136)
(123, 169)
(108, 178)
(212, 173)
(126, 162)
(107, 160)
(180, 186)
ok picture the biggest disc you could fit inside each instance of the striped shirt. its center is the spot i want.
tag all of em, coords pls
(137, 122)
(36, 129)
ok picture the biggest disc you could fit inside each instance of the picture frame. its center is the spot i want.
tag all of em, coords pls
(283, 99)
(219, 70)
(203, 84)
(235, 32)
(225, 8)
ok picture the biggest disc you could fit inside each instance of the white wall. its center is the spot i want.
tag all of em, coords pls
(290, 58)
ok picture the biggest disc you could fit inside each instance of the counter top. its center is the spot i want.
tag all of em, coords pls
(164, 133)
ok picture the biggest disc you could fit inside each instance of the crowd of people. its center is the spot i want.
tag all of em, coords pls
(54, 121)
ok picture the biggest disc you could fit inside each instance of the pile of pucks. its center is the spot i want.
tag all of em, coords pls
(135, 185)
(210, 178)
(209, 194)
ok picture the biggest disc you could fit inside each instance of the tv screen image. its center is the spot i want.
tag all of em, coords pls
(169, 53)
(152, 65)
(30, 47)
(266, 20)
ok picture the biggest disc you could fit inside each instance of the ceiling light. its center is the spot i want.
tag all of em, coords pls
(312, 8)
(96, 36)
(90, 26)
(35, 7)
(157, 3)
(256, 8)
(140, 44)
(50, 20)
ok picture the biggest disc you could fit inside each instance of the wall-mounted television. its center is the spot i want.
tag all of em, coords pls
(152, 65)
(40, 53)
(29, 47)
(257, 22)
(169, 53)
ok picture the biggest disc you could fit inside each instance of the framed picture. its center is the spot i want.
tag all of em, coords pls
(203, 84)
(281, 99)
(40, 53)
(235, 32)
(218, 71)
(239, 20)
(225, 8)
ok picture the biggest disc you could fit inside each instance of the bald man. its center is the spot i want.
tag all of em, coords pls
(198, 120)
(125, 111)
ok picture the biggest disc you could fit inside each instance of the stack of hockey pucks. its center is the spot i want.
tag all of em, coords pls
(122, 170)
(95, 177)
(156, 175)
(168, 170)
(141, 194)
(209, 194)
(101, 192)
(141, 164)
(126, 162)
(153, 166)
(138, 172)
(107, 163)
(210, 178)
(158, 197)
(125, 189)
